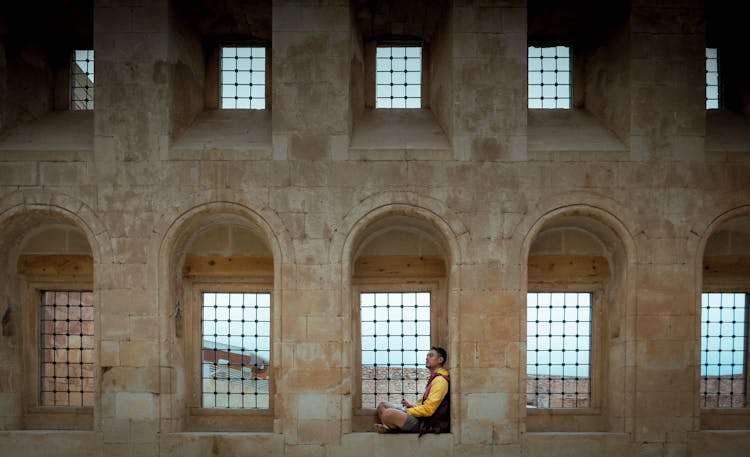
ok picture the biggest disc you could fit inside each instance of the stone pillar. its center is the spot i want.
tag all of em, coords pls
(130, 129)
(311, 64)
(667, 133)
(489, 80)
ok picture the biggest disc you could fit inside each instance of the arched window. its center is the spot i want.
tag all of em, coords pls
(400, 303)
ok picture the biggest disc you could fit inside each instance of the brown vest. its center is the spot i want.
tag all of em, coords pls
(440, 421)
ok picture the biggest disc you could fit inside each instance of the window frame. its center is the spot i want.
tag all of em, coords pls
(719, 92)
(370, 59)
(724, 418)
(212, 91)
(591, 418)
(574, 71)
(37, 416)
(200, 418)
(362, 417)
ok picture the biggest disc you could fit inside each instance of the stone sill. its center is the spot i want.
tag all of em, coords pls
(399, 134)
(220, 434)
(727, 131)
(49, 432)
(58, 136)
(225, 135)
(545, 435)
(569, 130)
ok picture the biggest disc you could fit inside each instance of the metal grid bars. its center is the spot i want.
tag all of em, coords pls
(243, 78)
(236, 349)
(395, 336)
(558, 351)
(82, 80)
(712, 78)
(399, 77)
(723, 344)
(67, 349)
(549, 77)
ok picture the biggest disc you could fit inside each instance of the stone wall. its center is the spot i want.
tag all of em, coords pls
(637, 193)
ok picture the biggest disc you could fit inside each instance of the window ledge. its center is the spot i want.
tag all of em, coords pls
(225, 135)
(61, 135)
(727, 131)
(569, 130)
(399, 134)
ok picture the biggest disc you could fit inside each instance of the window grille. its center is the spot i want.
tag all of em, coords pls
(723, 329)
(82, 80)
(243, 78)
(712, 78)
(549, 77)
(395, 337)
(67, 349)
(235, 350)
(558, 352)
(398, 77)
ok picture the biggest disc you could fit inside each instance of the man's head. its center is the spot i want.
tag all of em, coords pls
(436, 358)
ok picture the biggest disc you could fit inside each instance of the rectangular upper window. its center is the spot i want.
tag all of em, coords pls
(82, 80)
(723, 346)
(67, 349)
(395, 338)
(398, 81)
(558, 350)
(549, 77)
(712, 78)
(243, 78)
(235, 350)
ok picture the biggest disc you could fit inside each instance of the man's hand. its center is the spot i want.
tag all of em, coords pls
(406, 404)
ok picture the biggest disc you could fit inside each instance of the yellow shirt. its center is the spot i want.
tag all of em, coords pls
(437, 393)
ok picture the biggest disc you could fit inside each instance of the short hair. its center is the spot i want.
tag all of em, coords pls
(441, 352)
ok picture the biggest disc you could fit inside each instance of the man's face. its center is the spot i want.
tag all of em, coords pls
(433, 360)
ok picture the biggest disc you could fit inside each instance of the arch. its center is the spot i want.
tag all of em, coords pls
(67, 208)
(173, 235)
(356, 230)
(610, 232)
(712, 227)
(21, 214)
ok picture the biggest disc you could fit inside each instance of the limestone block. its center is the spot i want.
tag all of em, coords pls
(18, 173)
(716, 443)
(50, 443)
(203, 444)
(490, 407)
(115, 430)
(483, 380)
(130, 379)
(317, 406)
(136, 405)
(665, 354)
(323, 328)
(109, 353)
(578, 444)
(318, 431)
(138, 353)
(63, 173)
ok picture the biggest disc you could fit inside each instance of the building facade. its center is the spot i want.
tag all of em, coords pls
(293, 200)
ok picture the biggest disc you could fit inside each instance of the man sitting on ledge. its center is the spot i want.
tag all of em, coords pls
(431, 414)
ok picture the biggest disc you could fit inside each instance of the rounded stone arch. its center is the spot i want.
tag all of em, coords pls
(382, 205)
(603, 233)
(171, 240)
(28, 218)
(59, 206)
(374, 220)
(713, 227)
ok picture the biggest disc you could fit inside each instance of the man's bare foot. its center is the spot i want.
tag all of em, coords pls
(380, 428)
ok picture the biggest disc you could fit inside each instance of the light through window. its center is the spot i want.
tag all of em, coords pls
(82, 80)
(398, 77)
(243, 78)
(558, 350)
(236, 350)
(67, 349)
(549, 77)
(723, 340)
(395, 332)
(712, 78)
